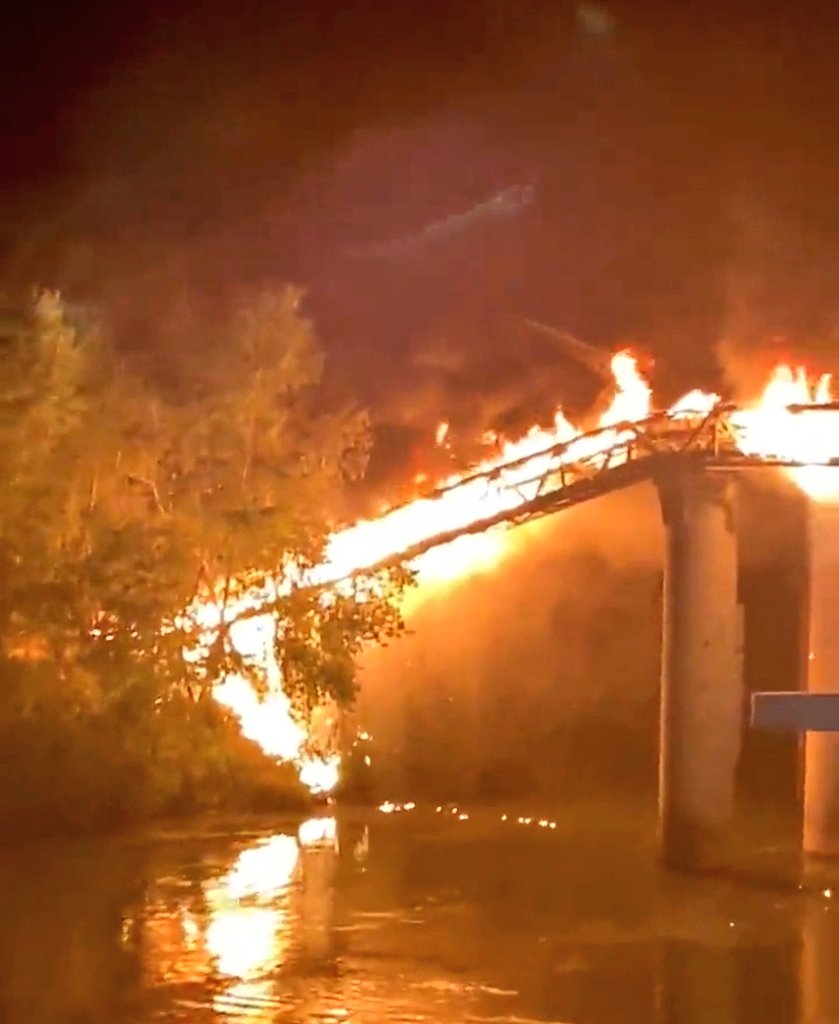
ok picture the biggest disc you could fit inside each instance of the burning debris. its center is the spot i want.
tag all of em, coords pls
(391, 807)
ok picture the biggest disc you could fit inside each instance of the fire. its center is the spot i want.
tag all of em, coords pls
(268, 720)
(768, 429)
(371, 541)
(781, 427)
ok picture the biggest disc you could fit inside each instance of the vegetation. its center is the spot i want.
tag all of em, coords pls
(130, 489)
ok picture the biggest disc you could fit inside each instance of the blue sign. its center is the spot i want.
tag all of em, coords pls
(796, 712)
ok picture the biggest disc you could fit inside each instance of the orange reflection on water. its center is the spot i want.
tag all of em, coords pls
(240, 926)
(247, 932)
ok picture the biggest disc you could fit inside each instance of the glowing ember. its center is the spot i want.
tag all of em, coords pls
(391, 807)
(769, 429)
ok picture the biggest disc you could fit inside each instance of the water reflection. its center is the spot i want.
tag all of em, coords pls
(235, 931)
(247, 932)
(389, 919)
(318, 832)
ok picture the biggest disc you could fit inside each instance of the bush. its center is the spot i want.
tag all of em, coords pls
(93, 774)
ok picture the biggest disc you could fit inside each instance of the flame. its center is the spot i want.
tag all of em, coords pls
(269, 720)
(773, 430)
(768, 429)
(373, 540)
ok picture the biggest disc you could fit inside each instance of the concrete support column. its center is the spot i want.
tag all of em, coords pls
(701, 668)
(819, 979)
(821, 759)
(696, 982)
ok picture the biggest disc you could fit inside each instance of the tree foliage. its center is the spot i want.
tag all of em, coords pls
(130, 492)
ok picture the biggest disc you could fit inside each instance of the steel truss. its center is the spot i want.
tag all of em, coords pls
(588, 466)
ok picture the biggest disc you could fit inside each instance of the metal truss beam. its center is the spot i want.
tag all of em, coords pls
(572, 472)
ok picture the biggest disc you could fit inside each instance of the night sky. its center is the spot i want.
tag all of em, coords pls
(670, 175)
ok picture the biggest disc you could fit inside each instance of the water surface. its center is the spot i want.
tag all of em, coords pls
(410, 916)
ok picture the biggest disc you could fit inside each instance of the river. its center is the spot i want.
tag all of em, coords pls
(450, 915)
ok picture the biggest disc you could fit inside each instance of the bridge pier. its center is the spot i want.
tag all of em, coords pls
(701, 668)
(821, 749)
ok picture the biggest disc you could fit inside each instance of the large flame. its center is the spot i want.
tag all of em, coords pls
(370, 542)
(769, 429)
(268, 718)
(781, 426)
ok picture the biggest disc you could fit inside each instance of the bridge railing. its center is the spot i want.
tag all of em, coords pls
(583, 468)
(597, 463)
(599, 451)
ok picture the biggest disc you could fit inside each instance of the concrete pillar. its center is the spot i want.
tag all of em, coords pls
(696, 983)
(701, 668)
(819, 979)
(821, 758)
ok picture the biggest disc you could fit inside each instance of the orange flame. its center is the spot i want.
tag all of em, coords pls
(768, 429)
(774, 430)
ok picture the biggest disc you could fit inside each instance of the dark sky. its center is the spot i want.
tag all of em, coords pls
(682, 160)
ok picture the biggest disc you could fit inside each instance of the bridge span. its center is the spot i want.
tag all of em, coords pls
(694, 460)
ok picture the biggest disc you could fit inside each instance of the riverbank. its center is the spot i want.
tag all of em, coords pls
(88, 785)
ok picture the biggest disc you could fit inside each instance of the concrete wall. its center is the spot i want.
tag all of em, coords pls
(821, 774)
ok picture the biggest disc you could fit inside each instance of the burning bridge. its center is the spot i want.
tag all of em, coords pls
(694, 453)
(693, 456)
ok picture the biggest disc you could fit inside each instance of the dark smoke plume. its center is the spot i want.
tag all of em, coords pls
(571, 166)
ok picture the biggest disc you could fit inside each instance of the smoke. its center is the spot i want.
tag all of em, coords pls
(780, 289)
(595, 173)
(539, 677)
(424, 243)
(210, 162)
(505, 672)
(576, 169)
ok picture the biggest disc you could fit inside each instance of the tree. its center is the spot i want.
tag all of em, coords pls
(243, 466)
(133, 494)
